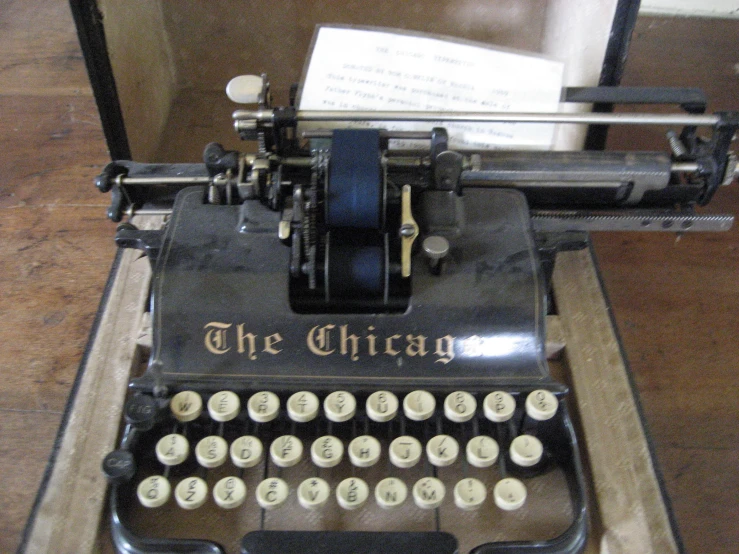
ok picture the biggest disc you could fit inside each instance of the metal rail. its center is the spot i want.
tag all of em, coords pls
(265, 116)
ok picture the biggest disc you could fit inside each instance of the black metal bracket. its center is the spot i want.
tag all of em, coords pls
(150, 242)
(715, 154)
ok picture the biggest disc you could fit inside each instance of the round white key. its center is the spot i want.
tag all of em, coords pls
(460, 406)
(303, 406)
(482, 451)
(272, 493)
(172, 449)
(211, 451)
(340, 406)
(469, 494)
(224, 406)
(186, 406)
(364, 451)
(154, 491)
(390, 493)
(442, 450)
(526, 450)
(509, 494)
(419, 405)
(286, 451)
(191, 493)
(428, 493)
(405, 451)
(313, 493)
(499, 406)
(382, 406)
(263, 406)
(352, 493)
(327, 451)
(244, 89)
(246, 451)
(541, 405)
(229, 493)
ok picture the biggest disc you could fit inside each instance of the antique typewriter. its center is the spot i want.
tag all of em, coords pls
(348, 340)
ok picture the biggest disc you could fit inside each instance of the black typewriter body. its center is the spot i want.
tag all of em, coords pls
(223, 308)
(323, 293)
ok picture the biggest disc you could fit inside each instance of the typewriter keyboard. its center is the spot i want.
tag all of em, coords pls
(480, 465)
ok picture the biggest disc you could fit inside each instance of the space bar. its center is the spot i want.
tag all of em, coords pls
(353, 542)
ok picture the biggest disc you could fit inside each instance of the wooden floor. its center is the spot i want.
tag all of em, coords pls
(675, 301)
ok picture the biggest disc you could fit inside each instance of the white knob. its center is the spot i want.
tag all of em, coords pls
(327, 451)
(340, 406)
(364, 451)
(224, 406)
(172, 450)
(382, 406)
(419, 405)
(191, 493)
(405, 451)
(303, 406)
(211, 451)
(263, 406)
(313, 493)
(390, 492)
(442, 450)
(469, 494)
(229, 493)
(154, 491)
(428, 493)
(286, 451)
(499, 406)
(246, 451)
(186, 405)
(272, 493)
(460, 406)
(541, 405)
(509, 494)
(482, 451)
(352, 493)
(526, 450)
(244, 89)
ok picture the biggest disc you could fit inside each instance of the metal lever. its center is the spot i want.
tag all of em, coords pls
(408, 231)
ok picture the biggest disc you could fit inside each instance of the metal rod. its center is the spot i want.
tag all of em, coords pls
(148, 211)
(166, 180)
(408, 135)
(580, 118)
(684, 167)
(397, 161)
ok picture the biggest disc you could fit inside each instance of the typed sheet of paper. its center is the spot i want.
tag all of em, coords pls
(364, 69)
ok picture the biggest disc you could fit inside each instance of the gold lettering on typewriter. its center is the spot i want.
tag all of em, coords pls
(251, 339)
(354, 346)
(346, 338)
(445, 349)
(216, 340)
(416, 345)
(215, 337)
(389, 350)
(271, 340)
(371, 347)
(318, 340)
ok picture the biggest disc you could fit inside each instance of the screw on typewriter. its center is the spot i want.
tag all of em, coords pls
(327, 269)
